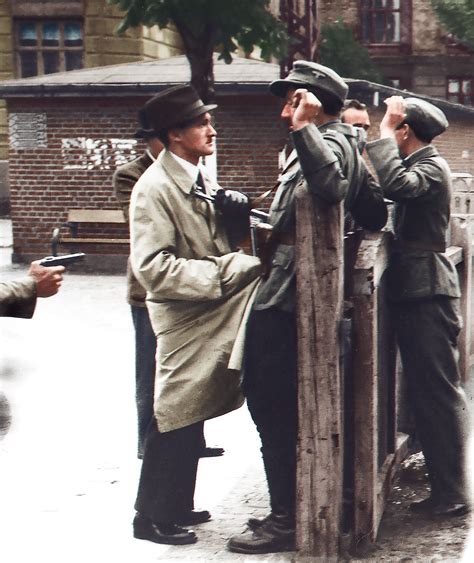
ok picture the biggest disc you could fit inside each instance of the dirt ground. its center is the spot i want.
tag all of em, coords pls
(407, 536)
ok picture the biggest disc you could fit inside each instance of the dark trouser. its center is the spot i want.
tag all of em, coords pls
(427, 334)
(145, 351)
(168, 476)
(270, 386)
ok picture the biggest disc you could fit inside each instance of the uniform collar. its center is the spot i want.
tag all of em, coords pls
(424, 152)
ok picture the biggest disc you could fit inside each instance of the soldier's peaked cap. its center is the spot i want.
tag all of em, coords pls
(306, 74)
(425, 117)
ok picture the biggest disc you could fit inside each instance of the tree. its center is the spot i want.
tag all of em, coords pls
(206, 26)
(458, 17)
(340, 51)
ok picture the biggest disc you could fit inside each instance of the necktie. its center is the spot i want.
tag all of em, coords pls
(200, 183)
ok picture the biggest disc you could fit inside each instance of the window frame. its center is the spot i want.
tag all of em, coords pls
(39, 49)
(404, 45)
(461, 96)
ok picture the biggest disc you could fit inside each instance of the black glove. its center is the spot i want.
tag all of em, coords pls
(235, 210)
(231, 203)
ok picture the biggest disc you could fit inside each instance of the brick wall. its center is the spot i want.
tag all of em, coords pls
(84, 139)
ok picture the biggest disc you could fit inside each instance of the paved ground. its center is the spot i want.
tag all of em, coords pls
(67, 469)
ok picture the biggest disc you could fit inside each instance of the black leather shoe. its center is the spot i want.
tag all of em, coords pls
(212, 452)
(269, 537)
(194, 517)
(145, 529)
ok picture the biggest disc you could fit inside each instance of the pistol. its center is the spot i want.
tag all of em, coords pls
(64, 260)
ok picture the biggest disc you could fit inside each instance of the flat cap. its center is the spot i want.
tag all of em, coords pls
(306, 74)
(426, 119)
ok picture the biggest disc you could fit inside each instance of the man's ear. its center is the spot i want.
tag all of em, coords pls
(406, 131)
(174, 135)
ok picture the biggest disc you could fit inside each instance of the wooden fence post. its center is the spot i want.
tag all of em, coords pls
(320, 445)
(461, 236)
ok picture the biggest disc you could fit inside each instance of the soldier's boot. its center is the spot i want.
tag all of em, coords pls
(275, 533)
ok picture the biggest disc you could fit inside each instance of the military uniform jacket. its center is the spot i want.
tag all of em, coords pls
(124, 178)
(327, 162)
(18, 298)
(421, 187)
(198, 293)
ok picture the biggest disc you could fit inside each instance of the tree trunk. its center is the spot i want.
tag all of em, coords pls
(202, 75)
(199, 52)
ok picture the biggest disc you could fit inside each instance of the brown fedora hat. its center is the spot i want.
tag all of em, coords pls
(170, 108)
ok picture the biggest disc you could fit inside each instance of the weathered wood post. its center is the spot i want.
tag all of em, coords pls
(377, 448)
(320, 297)
(461, 236)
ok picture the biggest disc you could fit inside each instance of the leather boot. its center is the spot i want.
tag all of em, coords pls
(276, 533)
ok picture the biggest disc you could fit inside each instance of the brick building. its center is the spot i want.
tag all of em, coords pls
(44, 36)
(69, 131)
(409, 45)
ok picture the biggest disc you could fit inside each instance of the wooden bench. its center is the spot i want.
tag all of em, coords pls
(77, 217)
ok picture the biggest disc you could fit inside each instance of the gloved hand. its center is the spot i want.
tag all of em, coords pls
(231, 203)
(235, 209)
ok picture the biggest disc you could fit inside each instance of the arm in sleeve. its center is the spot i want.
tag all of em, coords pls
(18, 298)
(369, 209)
(321, 159)
(397, 181)
(123, 181)
(161, 272)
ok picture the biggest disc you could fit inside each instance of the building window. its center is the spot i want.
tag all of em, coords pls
(49, 45)
(381, 21)
(461, 91)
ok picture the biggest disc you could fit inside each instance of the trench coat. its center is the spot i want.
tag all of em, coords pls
(198, 292)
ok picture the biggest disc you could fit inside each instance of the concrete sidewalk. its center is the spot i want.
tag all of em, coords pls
(68, 474)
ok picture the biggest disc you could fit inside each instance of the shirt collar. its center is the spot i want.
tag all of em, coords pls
(190, 168)
(148, 152)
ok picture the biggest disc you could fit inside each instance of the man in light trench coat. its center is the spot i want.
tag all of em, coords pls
(198, 292)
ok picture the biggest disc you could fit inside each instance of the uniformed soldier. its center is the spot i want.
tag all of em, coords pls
(424, 293)
(326, 160)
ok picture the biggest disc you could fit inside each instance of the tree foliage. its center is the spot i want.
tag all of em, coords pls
(206, 26)
(340, 51)
(458, 17)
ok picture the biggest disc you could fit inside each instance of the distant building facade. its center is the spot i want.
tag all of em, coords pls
(409, 45)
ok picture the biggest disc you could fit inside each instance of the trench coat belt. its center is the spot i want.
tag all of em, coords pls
(283, 238)
(402, 245)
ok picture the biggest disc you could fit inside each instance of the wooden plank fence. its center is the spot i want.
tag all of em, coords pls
(337, 494)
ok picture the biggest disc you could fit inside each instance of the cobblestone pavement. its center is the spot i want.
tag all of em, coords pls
(68, 474)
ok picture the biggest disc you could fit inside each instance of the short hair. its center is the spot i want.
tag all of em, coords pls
(348, 104)
(417, 131)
